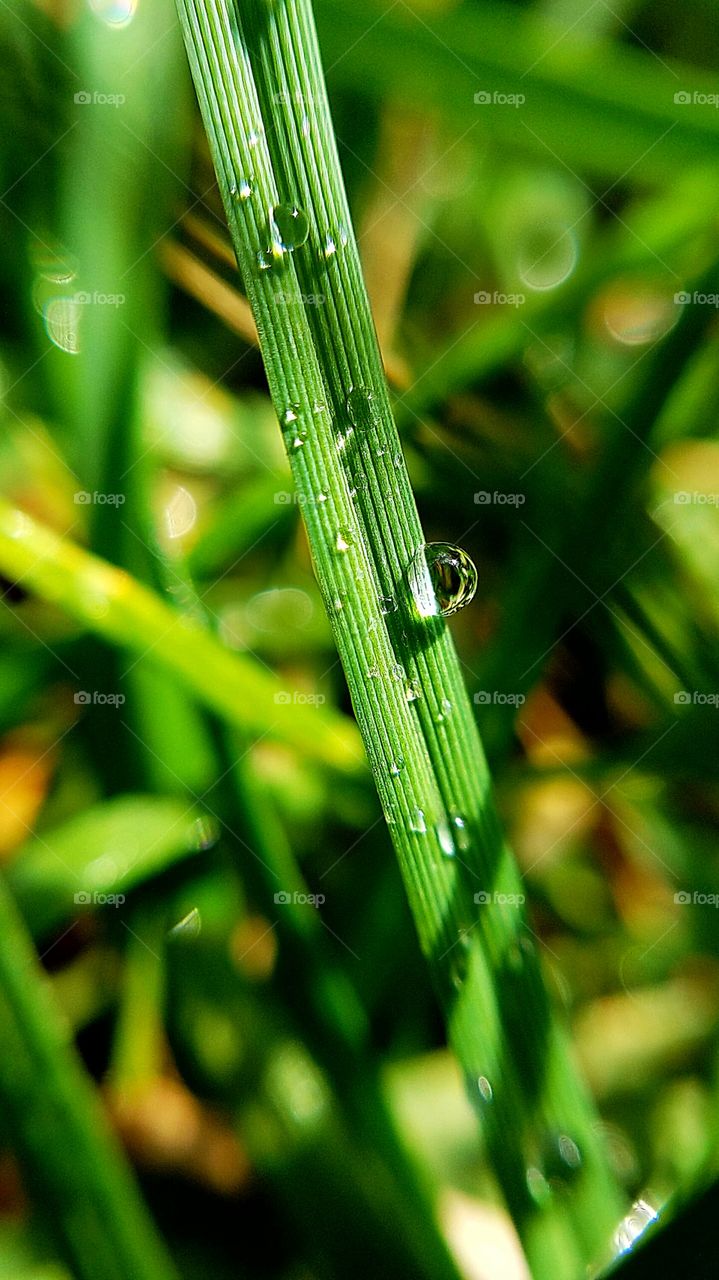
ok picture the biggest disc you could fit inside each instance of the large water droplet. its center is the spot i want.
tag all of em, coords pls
(442, 579)
(635, 1223)
(486, 1092)
(362, 409)
(446, 841)
(418, 823)
(290, 227)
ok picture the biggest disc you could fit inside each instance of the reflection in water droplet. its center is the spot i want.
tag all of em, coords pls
(242, 190)
(418, 823)
(189, 927)
(547, 257)
(461, 832)
(114, 13)
(444, 835)
(345, 539)
(62, 321)
(486, 1092)
(290, 227)
(412, 691)
(442, 579)
(635, 1223)
(362, 409)
(180, 513)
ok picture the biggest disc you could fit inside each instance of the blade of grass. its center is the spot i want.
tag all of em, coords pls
(261, 92)
(112, 605)
(71, 1162)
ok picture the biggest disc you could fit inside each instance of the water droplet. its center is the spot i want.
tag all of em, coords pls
(445, 710)
(337, 604)
(330, 248)
(418, 823)
(373, 673)
(322, 496)
(290, 415)
(538, 1187)
(254, 137)
(290, 227)
(461, 832)
(318, 407)
(362, 409)
(242, 190)
(635, 1223)
(387, 604)
(442, 579)
(561, 1158)
(188, 927)
(345, 539)
(396, 767)
(264, 260)
(305, 127)
(486, 1092)
(412, 691)
(397, 671)
(444, 835)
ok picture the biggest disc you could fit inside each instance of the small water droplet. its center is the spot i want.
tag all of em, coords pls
(444, 835)
(305, 127)
(397, 671)
(362, 409)
(418, 823)
(537, 1185)
(461, 832)
(322, 497)
(254, 137)
(318, 407)
(412, 691)
(345, 539)
(188, 927)
(486, 1092)
(387, 604)
(444, 711)
(373, 673)
(290, 415)
(290, 227)
(329, 248)
(242, 190)
(396, 767)
(442, 579)
(265, 260)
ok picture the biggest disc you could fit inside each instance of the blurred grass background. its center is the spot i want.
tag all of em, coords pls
(535, 193)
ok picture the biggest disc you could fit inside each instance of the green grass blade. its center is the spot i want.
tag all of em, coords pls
(261, 92)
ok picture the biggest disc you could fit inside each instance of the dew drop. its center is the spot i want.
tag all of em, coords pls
(344, 540)
(446, 841)
(442, 579)
(397, 671)
(412, 691)
(329, 248)
(560, 1157)
(635, 1223)
(444, 711)
(254, 137)
(387, 604)
(373, 673)
(264, 260)
(188, 927)
(242, 190)
(290, 227)
(418, 823)
(538, 1187)
(461, 832)
(362, 409)
(290, 415)
(486, 1092)
(396, 767)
